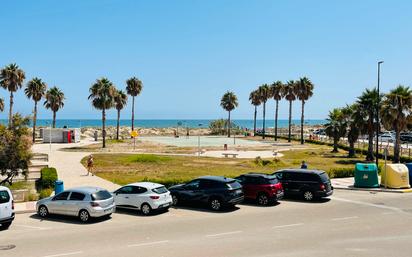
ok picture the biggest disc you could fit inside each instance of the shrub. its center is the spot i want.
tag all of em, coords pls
(341, 172)
(48, 177)
(44, 193)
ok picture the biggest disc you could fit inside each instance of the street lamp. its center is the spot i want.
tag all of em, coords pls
(198, 141)
(377, 116)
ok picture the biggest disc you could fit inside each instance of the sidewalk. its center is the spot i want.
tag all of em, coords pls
(347, 184)
(26, 207)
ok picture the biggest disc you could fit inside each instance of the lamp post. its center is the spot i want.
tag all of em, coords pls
(377, 115)
(198, 140)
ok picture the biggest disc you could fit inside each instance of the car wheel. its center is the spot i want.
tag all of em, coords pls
(84, 216)
(5, 225)
(263, 199)
(308, 195)
(215, 204)
(43, 211)
(146, 209)
(175, 200)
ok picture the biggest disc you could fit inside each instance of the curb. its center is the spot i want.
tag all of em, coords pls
(404, 191)
(25, 211)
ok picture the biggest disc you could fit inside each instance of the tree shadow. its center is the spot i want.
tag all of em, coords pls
(349, 161)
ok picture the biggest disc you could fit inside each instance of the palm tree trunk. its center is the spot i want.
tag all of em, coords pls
(370, 156)
(302, 118)
(34, 120)
(228, 125)
(276, 120)
(118, 124)
(290, 120)
(104, 127)
(11, 110)
(396, 157)
(132, 113)
(351, 152)
(264, 120)
(54, 119)
(254, 121)
(335, 144)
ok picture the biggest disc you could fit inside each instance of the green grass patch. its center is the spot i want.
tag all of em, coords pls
(169, 170)
(21, 185)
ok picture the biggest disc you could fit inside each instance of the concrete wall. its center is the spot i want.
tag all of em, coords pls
(57, 135)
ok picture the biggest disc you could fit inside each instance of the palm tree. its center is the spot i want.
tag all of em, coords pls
(369, 101)
(229, 103)
(255, 101)
(304, 91)
(353, 116)
(264, 94)
(1, 104)
(335, 127)
(289, 93)
(54, 101)
(11, 79)
(277, 89)
(102, 94)
(120, 101)
(134, 88)
(35, 90)
(396, 113)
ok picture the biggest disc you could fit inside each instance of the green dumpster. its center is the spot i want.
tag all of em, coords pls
(366, 175)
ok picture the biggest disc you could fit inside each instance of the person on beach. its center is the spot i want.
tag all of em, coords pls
(90, 161)
(304, 165)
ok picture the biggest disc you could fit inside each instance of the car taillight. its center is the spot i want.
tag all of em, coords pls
(154, 197)
(12, 204)
(279, 186)
(94, 204)
(322, 187)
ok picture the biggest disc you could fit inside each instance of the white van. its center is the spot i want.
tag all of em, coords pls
(6, 208)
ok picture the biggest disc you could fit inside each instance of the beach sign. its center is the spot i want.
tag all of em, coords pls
(134, 134)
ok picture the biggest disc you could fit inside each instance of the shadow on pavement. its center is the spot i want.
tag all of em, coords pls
(253, 203)
(301, 200)
(68, 219)
(135, 212)
(203, 208)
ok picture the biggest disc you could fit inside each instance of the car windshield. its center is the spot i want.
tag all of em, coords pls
(4, 196)
(160, 190)
(101, 195)
(233, 185)
(324, 177)
(273, 181)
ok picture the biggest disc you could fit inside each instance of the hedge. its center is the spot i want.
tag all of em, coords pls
(48, 177)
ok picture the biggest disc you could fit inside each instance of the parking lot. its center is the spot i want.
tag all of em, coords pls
(349, 224)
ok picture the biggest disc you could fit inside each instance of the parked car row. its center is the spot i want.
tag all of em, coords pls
(213, 191)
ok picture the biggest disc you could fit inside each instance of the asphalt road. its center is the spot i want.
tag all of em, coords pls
(350, 224)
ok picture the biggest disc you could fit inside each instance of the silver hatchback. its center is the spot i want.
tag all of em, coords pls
(83, 202)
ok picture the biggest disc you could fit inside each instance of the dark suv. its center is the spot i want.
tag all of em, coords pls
(263, 188)
(309, 184)
(216, 192)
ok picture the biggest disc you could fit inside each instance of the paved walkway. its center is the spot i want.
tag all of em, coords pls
(347, 184)
(69, 168)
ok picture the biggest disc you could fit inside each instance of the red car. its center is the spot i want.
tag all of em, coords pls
(263, 188)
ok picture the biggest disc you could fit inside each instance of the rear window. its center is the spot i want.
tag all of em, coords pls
(273, 181)
(233, 185)
(4, 196)
(324, 177)
(160, 190)
(101, 195)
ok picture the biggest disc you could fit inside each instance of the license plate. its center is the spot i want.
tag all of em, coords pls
(108, 210)
(166, 204)
(239, 191)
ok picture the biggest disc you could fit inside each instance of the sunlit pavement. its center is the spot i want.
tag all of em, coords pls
(351, 223)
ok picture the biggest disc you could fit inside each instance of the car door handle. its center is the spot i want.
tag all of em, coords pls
(126, 197)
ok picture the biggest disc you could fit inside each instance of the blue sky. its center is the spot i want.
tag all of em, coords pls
(188, 53)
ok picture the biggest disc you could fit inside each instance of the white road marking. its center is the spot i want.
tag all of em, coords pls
(368, 204)
(63, 254)
(345, 218)
(149, 243)
(33, 227)
(225, 233)
(288, 225)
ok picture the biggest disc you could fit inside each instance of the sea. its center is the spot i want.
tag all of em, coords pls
(165, 123)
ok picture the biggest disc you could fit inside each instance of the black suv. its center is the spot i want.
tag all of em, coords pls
(309, 184)
(216, 192)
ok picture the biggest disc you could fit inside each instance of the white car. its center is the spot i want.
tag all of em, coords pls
(6, 207)
(143, 196)
(386, 137)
